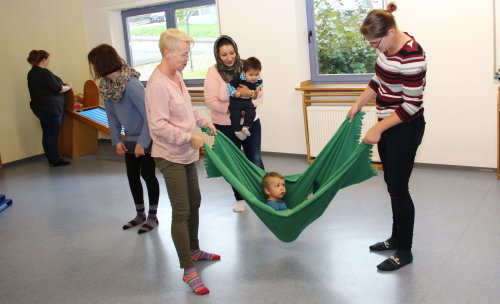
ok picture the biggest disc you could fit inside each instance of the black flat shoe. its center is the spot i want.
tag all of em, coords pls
(59, 163)
(396, 261)
(381, 246)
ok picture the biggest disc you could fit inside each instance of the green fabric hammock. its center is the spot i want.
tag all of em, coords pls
(344, 161)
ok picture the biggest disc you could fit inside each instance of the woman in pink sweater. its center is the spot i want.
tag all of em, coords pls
(229, 66)
(172, 122)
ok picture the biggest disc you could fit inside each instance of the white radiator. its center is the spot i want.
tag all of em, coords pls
(323, 122)
(205, 112)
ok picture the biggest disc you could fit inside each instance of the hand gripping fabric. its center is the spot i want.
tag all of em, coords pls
(344, 161)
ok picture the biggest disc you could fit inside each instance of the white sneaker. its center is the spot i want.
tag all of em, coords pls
(245, 131)
(240, 135)
(240, 206)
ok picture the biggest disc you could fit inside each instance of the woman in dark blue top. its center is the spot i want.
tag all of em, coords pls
(47, 102)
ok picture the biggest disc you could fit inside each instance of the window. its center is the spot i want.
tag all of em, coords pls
(143, 27)
(338, 52)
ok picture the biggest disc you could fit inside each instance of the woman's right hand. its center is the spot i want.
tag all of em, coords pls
(367, 95)
(196, 142)
(120, 148)
(353, 111)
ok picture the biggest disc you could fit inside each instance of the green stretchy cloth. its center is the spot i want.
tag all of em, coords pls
(344, 161)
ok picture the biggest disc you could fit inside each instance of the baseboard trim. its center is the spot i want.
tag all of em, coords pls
(23, 160)
(417, 165)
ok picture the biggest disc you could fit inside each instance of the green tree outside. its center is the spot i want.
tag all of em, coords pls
(341, 48)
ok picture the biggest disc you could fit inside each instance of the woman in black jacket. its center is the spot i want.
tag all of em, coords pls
(47, 102)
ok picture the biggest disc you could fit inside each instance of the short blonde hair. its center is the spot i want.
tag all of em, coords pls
(267, 178)
(171, 36)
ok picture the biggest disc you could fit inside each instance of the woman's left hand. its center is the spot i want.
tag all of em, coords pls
(372, 136)
(196, 142)
(139, 150)
(213, 130)
(374, 133)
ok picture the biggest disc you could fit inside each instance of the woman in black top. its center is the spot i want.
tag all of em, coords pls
(47, 102)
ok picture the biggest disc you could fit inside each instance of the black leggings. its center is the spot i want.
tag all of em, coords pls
(397, 149)
(142, 166)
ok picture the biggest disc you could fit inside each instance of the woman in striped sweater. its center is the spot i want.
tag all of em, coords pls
(398, 86)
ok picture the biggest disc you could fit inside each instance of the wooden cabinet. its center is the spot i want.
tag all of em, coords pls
(77, 138)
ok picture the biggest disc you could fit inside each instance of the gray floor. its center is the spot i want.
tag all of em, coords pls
(61, 241)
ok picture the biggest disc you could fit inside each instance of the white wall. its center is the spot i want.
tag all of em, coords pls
(276, 33)
(460, 98)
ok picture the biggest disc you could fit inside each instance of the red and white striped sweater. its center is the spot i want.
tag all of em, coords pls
(399, 82)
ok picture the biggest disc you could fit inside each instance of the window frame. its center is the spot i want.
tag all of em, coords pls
(313, 56)
(170, 22)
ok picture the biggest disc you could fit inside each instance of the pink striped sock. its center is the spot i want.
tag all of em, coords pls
(194, 281)
(200, 255)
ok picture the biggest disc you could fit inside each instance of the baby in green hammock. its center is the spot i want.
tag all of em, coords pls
(273, 186)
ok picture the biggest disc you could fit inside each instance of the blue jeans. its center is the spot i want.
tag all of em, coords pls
(397, 149)
(51, 127)
(251, 145)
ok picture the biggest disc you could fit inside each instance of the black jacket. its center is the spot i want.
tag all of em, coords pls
(44, 89)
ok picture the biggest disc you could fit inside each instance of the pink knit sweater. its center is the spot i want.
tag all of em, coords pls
(171, 119)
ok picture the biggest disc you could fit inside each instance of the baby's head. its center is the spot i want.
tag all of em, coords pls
(273, 186)
(251, 69)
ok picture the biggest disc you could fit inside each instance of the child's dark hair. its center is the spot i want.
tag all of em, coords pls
(265, 180)
(252, 63)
